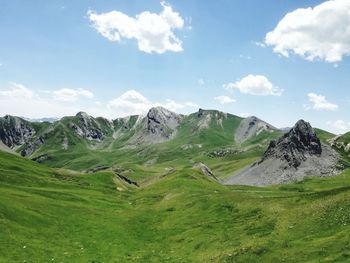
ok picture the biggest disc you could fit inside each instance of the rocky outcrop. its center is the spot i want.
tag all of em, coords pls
(207, 118)
(162, 123)
(159, 125)
(31, 147)
(204, 170)
(341, 142)
(250, 127)
(15, 131)
(295, 146)
(296, 155)
(87, 127)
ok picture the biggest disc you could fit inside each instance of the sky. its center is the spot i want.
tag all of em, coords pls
(278, 60)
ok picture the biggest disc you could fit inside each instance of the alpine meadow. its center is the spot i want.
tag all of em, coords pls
(177, 131)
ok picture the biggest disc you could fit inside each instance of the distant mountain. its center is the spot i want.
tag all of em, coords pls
(48, 119)
(250, 127)
(295, 155)
(161, 132)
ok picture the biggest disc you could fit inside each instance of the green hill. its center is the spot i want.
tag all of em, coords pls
(62, 216)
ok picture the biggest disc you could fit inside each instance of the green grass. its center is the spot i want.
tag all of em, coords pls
(58, 215)
(324, 135)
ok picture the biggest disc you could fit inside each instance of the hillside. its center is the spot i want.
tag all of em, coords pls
(57, 215)
(342, 143)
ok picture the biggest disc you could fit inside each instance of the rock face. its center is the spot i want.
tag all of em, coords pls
(87, 127)
(296, 155)
(15, 131)
(341, 142)
(31, 147)
(158, 126)
(204, 169)
(294, 147)
(207, 118)
(162, 122)
(250, 127)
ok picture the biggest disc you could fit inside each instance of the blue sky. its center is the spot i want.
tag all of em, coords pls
(60, 57)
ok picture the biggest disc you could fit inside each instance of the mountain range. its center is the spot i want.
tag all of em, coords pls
(165, 187)
(163, 139)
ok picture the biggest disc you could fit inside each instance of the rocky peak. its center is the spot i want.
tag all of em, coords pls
(87, 127)
(296, 145)
(294, 156)
(161, 121)
(15, 131)
(251, 126)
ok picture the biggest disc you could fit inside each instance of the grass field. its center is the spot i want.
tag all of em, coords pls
(62, 216)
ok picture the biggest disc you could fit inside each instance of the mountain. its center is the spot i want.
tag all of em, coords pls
(294, 156)
(250, 127)
(155, 182)
(160, 134)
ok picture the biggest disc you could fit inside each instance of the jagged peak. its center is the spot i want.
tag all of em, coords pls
(82, 114)
(9, 117)
(300, 139)
(160, 110)
(303, 126)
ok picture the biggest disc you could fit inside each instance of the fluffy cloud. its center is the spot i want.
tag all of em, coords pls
(340, 125)
(132, 102)
(21, 101)
(224, 99)
(17, 91)
(72, 95)
(255, 85)
(322, 32)
(319, 102)
(153, 32)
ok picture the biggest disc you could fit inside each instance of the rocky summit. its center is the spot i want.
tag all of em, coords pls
(162, 122)
(294, 146)
(15, 131)
(250, 127)
(294, 156)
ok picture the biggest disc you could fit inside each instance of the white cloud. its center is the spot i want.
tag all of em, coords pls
(72, 95)
(153, 32)
(132, 102)
(18, 91)
(322, 32)
(129, 103)
(258, 85)
(340, 126)
(319, 102)
(224, 99)
(19, 100)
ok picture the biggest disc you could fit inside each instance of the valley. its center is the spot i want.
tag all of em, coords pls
(150, 189)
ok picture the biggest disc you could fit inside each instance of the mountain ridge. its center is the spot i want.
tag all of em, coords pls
(295, 155)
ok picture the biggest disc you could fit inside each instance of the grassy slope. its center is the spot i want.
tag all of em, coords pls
(345, 138)
(324, 135)
(50, 214)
